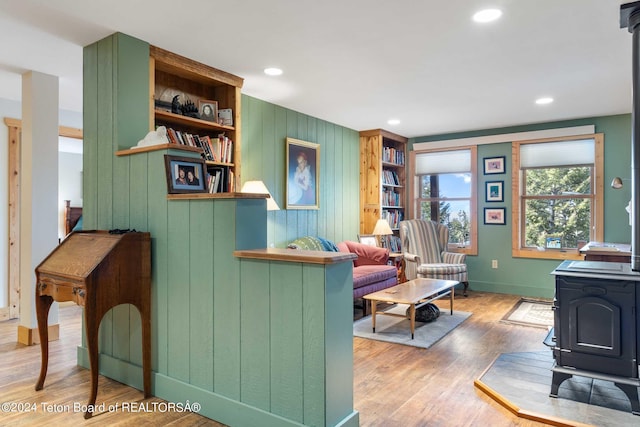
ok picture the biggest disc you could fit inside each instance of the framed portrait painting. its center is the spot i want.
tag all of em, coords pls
(303, 174)
(185, 174)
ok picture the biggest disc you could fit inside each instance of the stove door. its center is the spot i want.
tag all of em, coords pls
(597, 325)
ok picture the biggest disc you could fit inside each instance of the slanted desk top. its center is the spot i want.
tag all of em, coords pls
(97, 270)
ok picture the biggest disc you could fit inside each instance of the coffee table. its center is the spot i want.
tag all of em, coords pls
(416, 293)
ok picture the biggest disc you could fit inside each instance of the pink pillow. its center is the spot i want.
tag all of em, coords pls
(367, 255)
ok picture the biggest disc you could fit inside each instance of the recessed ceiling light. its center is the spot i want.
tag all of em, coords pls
(487, 15)
(544, 100)
(393, 122)
(272, 71)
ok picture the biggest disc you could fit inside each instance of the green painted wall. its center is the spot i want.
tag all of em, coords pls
(264, 343)
(265, 128)
(530, 277)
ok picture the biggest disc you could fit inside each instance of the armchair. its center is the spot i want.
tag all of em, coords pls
(424, 244)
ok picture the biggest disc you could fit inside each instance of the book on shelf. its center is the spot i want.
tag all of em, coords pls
(224, 148)
(390, 177)
(217, 182)
(392, 155)
(217, 149)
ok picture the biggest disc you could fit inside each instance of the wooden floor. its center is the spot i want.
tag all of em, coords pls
(395, 385)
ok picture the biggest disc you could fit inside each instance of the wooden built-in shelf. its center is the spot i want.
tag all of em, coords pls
(191, 196)
(165, 116)
(158, 147)
(296, 255)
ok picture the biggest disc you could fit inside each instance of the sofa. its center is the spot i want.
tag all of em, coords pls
(371, 271)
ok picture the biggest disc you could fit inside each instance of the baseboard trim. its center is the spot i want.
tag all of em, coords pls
(30, 336)
(211, 405)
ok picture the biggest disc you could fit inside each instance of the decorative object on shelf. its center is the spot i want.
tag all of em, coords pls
(303, 174)
(496, 216)
(495, 191)
(225, 116)
(382, 228)
(368, 239)
(189, 109)
(553, 242)
(494, 165)
(163, 105)
(185, 174)
(158, 136)
(258, 187)
(208, 110)
(176, 108)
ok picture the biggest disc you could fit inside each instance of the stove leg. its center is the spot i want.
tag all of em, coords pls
(632, 393)
(557, 379)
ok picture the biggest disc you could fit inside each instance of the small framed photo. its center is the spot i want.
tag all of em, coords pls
(185, 174)
(494, 192)
(208, 110)
(496, 216)
(554, 242)
(494, 165)
(368, 239)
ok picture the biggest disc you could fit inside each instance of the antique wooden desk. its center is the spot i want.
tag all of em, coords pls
(97, 270)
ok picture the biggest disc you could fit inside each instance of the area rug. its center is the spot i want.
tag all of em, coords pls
(530, 312)
(397, 329)
(521, 382)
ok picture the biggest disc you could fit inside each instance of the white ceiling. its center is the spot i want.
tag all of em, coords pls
(356, 63)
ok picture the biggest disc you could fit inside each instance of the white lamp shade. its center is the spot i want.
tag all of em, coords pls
(382, 228)
(258, 187)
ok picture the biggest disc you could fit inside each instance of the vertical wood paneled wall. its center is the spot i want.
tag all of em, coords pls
(206, 309)
(265, 127)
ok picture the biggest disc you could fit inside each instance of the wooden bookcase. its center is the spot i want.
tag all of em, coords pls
(171, 74)
(383, 186)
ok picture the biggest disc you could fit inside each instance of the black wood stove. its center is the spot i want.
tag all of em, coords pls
(596, 330)
(596, 321)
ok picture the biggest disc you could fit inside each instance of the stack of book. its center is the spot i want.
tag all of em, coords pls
(218, 149)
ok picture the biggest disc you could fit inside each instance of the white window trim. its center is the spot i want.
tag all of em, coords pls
(505, 137)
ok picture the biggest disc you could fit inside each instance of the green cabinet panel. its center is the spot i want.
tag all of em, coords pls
(201, 244)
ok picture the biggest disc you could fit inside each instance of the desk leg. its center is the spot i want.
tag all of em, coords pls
(146, 352)
(412, 318)
(91, 330)
(374, 309)
(43, 304)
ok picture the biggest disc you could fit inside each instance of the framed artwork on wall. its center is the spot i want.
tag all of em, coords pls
(185, 174)
(494, 191)
(368, 239)
(494, 165)
(303, 174)
(496, 216)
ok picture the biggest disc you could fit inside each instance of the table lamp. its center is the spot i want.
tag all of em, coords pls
(382, 228)
(258, 187)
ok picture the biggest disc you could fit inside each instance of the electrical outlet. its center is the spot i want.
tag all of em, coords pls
(494, 263)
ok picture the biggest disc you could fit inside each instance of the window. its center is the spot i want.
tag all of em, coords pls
(444, 191)
(558, 196)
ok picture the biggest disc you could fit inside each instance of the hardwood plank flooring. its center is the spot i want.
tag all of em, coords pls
(394, 385)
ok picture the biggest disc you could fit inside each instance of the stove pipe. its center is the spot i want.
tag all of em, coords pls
(630, 18)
